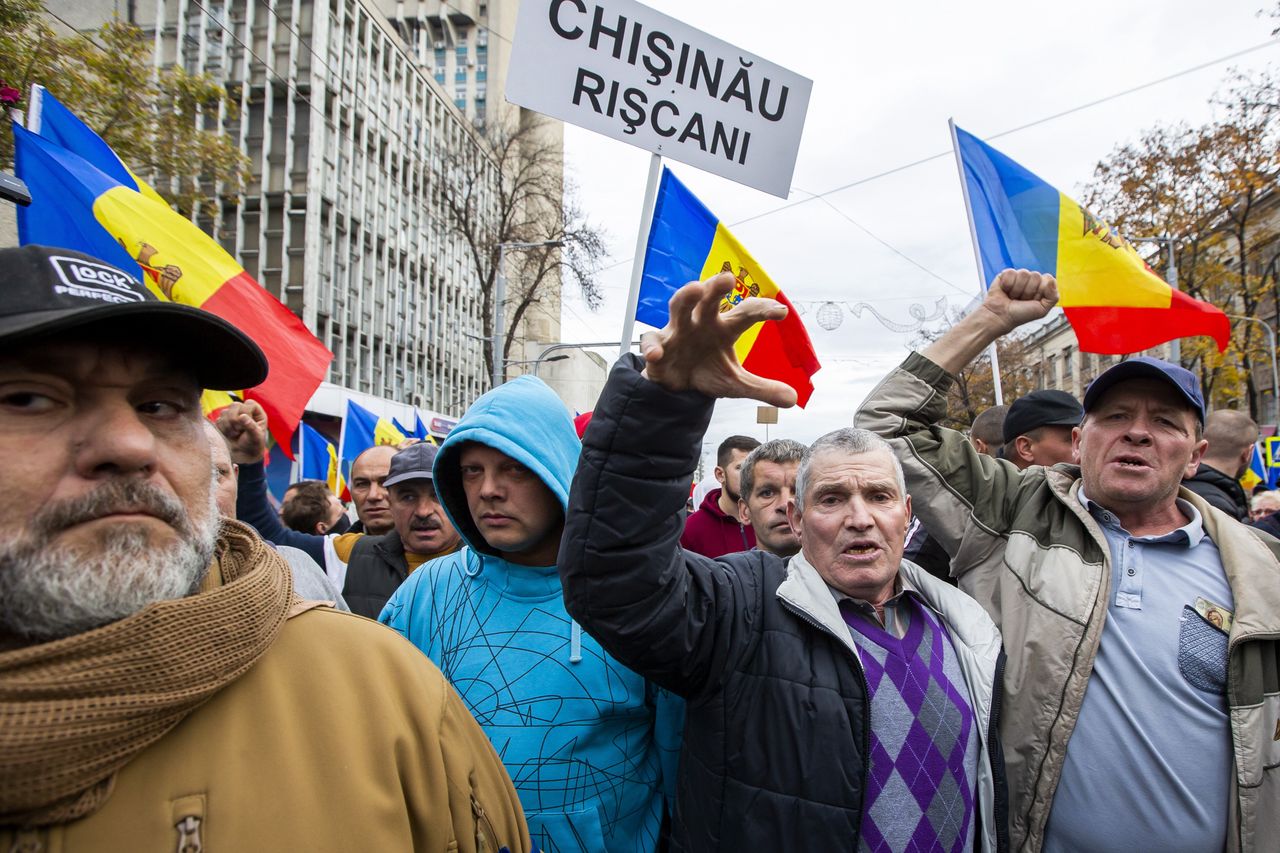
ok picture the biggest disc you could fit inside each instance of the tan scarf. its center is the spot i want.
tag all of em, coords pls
(74, 711)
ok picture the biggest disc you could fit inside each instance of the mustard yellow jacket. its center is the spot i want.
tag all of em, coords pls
(343, 737)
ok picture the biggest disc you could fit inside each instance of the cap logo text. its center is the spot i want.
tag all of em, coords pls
(88, 280)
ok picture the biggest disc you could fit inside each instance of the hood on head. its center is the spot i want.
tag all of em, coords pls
(523, 419)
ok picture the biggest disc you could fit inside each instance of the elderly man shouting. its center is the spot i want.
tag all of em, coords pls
(838, 700)
(1142, 711)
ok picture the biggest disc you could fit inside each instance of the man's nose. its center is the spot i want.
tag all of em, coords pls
(858, 515)
(114, 440)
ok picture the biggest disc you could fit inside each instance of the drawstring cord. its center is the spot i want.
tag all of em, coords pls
(575, 642)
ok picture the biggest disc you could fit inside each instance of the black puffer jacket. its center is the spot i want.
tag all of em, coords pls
(776, 734)
(375, 570)
(1219, 491)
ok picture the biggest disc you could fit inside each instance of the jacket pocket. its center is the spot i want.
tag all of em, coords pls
(1202, 653)
(569, 832)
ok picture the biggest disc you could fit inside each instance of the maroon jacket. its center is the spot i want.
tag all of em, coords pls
(711, 533)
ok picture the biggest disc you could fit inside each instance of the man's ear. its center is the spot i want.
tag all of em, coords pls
(978, 444)
(719, 475)
(744, 514)
(793, 517)
(1022, 448)
(321, 528)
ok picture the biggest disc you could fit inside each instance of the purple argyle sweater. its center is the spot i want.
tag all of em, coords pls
(924, 747)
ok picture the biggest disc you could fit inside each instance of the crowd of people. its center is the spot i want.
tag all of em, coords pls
(1058, 631)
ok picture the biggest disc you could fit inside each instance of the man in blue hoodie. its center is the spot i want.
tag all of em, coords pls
(584, 739)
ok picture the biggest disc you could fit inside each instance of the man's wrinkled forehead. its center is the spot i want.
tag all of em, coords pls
(81, 359)
(873, 467)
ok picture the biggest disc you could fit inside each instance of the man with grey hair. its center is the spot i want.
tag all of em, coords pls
(160, 681)
(768, 484)
(1232, 436)
(863, 688)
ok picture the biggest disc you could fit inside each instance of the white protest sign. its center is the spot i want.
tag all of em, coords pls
(626, 71)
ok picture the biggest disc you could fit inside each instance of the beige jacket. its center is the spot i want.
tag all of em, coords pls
(343, 737)
(1023, 545)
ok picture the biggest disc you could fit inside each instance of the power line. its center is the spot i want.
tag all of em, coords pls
(884, 242)
(930, 158)
(1030, 124)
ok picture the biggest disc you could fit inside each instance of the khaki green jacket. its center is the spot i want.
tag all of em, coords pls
(1025, 548)
(343, 737)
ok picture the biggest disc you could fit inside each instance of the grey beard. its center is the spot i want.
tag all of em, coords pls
(48, 592)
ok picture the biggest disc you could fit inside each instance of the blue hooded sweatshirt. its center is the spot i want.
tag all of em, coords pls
(584, 738)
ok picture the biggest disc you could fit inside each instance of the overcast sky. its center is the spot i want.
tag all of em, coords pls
(885, 79)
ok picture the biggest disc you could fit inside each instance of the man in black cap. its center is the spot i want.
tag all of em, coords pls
(160, 684)
(1037, 428)
(1140, 623)
(367, 568)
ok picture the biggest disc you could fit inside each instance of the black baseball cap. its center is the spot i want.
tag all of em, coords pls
(1145, 367)
(46, 291)
(1048, 407)
(412, 463)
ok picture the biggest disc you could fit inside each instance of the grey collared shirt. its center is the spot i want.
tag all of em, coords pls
(897, 618)
(1148, 765)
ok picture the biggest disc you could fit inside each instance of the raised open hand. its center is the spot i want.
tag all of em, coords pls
(694, 351)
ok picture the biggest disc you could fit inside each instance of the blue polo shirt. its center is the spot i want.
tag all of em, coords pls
(1148, 766)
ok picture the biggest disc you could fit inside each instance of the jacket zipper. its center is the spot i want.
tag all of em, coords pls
(866, 709)
(189, 835)
(1232, 645)
(995, 754)
(486, 837)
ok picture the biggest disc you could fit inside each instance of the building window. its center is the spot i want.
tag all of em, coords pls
(439, 57)
(460, 75)
(440, 76)
(482, 73)
(460, 103)
(462, 54)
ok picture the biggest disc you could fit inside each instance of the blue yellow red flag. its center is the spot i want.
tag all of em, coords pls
(320, 460)
(88, 200)
(1256, 473)
(362, 429)
(1115, 303)
(687, 242)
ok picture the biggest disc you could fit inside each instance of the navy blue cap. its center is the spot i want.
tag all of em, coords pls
(1146, 367)
(1047, 407)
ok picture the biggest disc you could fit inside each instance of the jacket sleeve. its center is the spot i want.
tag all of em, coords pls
(678, 618)
(955, 490)
(483, 804)
(252, 507)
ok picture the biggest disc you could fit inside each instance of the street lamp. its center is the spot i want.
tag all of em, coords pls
(535, 361)
(1275, 374)
(500, 298)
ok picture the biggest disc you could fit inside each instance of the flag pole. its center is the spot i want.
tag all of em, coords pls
(35, 108)
(642, 244)
(977, 256)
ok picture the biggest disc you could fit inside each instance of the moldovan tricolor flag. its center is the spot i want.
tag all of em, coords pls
(76, 204)
(362, 429)
(688, 243)
(1113, 300)
(320, 460)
